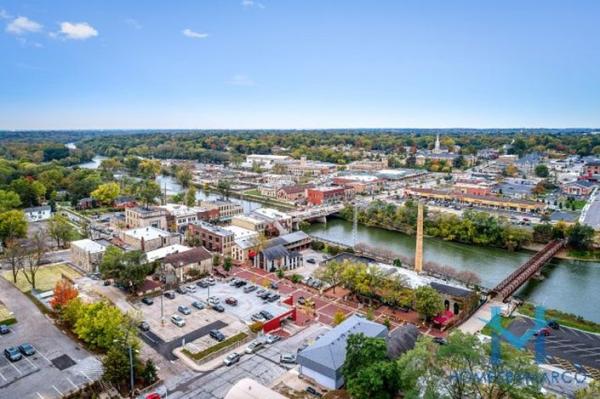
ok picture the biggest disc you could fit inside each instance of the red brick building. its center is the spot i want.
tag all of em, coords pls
(325, 195)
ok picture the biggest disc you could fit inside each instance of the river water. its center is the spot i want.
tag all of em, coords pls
(569, 286)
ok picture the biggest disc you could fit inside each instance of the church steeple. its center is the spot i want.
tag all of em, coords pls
(436, 149)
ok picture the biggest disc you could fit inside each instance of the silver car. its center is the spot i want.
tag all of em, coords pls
(178, 320)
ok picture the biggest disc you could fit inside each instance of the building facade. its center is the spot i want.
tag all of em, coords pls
(146, 217)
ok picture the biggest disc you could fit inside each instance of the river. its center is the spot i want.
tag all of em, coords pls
(570, 286)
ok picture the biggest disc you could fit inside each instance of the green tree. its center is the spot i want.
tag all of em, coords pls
(592, 391)
(331, 273)
(149, 168)
(541, 170)
(13, 225)
(184, 176)
(116, 365)
(149, 373)
(428, 302)
(190, 196)
(227, 263)
(106, 193)
(580, 236)
(338, 317)
(367, 371)
(129, 269)
(224, 187)
(61, 230)
(100, 325)
(30, 191)
(9, 200)
(148, 191)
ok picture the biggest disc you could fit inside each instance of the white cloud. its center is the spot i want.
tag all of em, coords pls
(133, 23)
(252, 3)
(76, 31)
(4, 14)
(22, 25)
(194, 35)
(241, 80)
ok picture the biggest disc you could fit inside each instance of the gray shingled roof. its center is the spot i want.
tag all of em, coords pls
(327, 355)
(450, 290)
(402, 339)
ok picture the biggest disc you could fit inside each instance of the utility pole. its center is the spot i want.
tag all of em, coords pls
(162, 309)
(131, 369)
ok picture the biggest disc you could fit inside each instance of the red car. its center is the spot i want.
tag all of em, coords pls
(543, 332)
(231, 301)
(153, 396)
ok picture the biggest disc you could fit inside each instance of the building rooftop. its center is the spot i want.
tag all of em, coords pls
(360, 178)
(147, 233)
(181, 210)
(38, 209)
(271, 213)
(327, 355)
(214, 229)
(161, 253)
(294, 237)
(194, 255)
(89, 245)
(240, 232)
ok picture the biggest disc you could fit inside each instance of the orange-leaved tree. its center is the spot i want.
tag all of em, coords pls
(64, 292)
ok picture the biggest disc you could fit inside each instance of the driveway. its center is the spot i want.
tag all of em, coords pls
(60, 364)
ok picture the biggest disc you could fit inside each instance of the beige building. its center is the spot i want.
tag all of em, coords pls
(149, 238)
(183, 262)
(250, 223)
(146, 217)
(87, 254)
(227, 209)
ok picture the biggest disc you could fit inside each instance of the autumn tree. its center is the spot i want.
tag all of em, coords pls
(149, 168)
(338, 317)
(190, 196)
(64, 292)
(428, 302)
(106, 193)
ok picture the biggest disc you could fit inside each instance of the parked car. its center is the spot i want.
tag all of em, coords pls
(274, 285)
(170, 294)
(198, 305)
(272, 338)
(180, 290)
(544, 332)
(249, 288)
(440, 340)
(301, 300)
(144, 326)
(27, 349)
(149, 301)
(260, 292)
(273, 297)
(311, 260)
(258, 317)
(254, 346)
(265, 295)
(184, 309)
(553, 324)
(233, 282)
(313, 392)
(202, 284)
(12, 354)
(218, 307)
(107, 283)
(231, 301)
(211, 280)
(232, 358)
(153, 395)
(178, 320)
(287, 358)
(214, 300)
(240, 283)
(4, 329)
(266, 314)
(216, 335)
(191, 289)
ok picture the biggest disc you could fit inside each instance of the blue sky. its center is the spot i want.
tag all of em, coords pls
(298, 64)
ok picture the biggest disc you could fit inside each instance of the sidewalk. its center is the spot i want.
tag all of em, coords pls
(479, 319)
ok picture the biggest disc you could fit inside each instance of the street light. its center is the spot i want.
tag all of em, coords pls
(130, 353)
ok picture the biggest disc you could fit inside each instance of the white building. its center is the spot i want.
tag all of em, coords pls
(264, 161)
(38, 213)
(161, 253)
(87, 254)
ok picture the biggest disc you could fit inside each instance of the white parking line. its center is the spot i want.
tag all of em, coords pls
(16, 368)
(56, 389)
(4, 378)
(30, 362)
(39, 395)
(86, 376)
(72, 383)
(41, 354)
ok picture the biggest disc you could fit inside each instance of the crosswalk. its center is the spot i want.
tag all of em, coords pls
(573, 368)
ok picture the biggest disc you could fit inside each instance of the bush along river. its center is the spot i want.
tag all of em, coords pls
(567, 285)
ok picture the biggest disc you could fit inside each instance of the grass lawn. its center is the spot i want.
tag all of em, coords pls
(45, 278)
(5, 316)
(593, 254)
(504, 322)
(564, 319)
(223, 344)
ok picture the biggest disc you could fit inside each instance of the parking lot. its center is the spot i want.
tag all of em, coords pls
(570, 349)
(59, 365)
(263, 366)
(165, 338)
